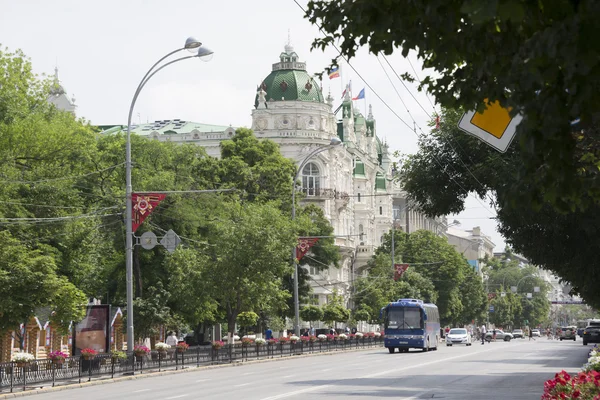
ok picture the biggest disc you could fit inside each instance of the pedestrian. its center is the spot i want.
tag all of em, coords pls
(312, 331)
(347, 330)
(531, 334)
(483, 332)
(268, 334)
(332, 331)
(172, 340)
(494, 335)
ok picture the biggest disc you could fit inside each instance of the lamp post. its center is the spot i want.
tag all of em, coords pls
(335, 141)
(192, 45)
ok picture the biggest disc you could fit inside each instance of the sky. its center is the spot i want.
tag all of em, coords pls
(103, 49)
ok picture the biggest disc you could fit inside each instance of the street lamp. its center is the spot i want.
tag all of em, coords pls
(335, 141)
(192, 45)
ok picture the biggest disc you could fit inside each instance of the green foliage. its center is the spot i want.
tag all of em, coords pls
(311, 313)
(537, 57)
(247, 319)
(151, 312)
(361, 315)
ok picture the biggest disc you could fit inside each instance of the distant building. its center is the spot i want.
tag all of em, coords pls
(503, 255)
(472, 244)
(58, 96)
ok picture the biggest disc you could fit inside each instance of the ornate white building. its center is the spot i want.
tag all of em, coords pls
(351, 183)
(58, 96)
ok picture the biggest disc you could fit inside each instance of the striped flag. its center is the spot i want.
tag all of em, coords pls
(334, 73)
(361, 95)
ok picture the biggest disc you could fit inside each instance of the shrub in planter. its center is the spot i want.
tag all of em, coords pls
(22, 359)
(141, 351)
(312, 338)
(247, 342)
(260, 341)
(342, 336)
(359, 335)
(304, 339)
(118, 355)
(182, 347)
(322, 337)
(294, 338)
(57, 357)
(88, 353)
(217, 344)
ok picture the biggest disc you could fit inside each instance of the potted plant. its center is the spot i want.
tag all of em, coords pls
(57, 357)
(294, 339)
(162, 348)
(117, 355)
(342, 336)
(22, 359)
(284, 340)
(304, 339)
(312, 338)
(322, 337)
(182, 347)
(217, 344)
(247, 341)
(140, 351)
(272, 342)
(260, 341)
(88, 353)
(359, 335)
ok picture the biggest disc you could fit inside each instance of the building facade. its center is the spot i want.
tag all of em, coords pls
(351, 183)
(58, 96)
(473, 244)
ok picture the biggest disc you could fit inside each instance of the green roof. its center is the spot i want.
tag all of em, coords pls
(379, 181)
(289, 85)
(359, 168)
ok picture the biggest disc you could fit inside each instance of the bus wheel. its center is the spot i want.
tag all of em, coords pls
(426, 348)
(391, 349)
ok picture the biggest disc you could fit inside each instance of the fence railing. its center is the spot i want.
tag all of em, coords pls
(21, 376)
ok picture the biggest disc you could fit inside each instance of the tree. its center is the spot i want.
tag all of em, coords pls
(562, 242)
(538, 58)
(335, 311)
(150, 312)
(247, 319)
(311, 313)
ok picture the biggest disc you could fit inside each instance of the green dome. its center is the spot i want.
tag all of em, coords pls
(289, 81)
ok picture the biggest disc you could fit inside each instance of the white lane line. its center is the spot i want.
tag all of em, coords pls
(248, 373)
(288, 376)
(176, 397)
(142, 390)
(294, 393)
(198, 381)
(325, 370)
(243, 384)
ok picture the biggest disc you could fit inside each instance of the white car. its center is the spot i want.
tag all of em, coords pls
(458, 336)
(535, 332)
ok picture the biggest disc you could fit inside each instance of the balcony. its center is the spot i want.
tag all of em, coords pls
(325, 194)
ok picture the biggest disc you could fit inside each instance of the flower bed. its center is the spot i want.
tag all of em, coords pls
(260, 341)
(88, 353)
(57, 357)
(217, 344)
(584, 385)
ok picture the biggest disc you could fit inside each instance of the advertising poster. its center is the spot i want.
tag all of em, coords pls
(94, 330)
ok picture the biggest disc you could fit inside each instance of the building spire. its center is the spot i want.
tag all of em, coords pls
(288, 46)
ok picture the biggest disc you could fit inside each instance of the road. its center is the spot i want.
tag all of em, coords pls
(501, 370)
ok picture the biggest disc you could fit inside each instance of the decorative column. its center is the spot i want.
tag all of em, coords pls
(6, 346)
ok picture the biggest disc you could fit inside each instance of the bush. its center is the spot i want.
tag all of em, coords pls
(586, 385)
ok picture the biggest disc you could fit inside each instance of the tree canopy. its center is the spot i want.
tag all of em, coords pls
(562, 242)
(538, 58)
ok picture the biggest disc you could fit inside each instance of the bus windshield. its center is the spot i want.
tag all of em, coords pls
(404, 318)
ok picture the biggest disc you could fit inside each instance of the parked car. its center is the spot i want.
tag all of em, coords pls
(518, 333)
(591, 333)
(536, 333)
(458, 336)
(568, 333)
(500, 335)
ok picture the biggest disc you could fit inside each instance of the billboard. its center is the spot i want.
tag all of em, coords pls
(93, 331)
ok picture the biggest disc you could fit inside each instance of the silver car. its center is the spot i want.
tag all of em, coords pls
(500, 335)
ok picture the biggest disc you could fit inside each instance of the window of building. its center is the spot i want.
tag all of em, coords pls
(311, 181)
(313, 270)
(361, 236)
(358, 198)
(314, 299)
(380, 210)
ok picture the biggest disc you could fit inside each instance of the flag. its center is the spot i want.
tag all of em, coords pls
(334, 73)
(399, 270)
(437, 122)
(361, 95)
(348, 88)
(143, 204)
(304, 244)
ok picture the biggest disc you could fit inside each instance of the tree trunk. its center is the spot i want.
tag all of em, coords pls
(137, 271)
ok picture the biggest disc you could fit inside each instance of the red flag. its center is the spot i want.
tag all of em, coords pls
(437, 122)
(304, 244)
(399, 270)
(143, 204)
(491, 296)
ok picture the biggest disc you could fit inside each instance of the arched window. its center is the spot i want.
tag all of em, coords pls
(311, 181)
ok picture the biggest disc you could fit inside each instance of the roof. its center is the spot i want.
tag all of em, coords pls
(165, 127)
(289, 81)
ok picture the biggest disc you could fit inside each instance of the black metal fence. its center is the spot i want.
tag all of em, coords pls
(23, 376)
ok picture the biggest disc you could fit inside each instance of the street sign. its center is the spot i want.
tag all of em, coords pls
(503, 294)
(491, 308)
(148, 240)
(536, 289)
(529, 295)
(494, 125)
(170, 241)
(513, 289)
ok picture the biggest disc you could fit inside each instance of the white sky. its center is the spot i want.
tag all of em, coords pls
(103, 49)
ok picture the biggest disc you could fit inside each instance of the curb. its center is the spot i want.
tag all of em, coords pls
(100, 381)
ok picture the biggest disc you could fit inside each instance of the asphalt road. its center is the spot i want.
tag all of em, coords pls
(515, 370)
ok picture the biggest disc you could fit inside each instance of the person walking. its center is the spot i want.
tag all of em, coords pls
(483, 332)
(268, 334)
(531, 334)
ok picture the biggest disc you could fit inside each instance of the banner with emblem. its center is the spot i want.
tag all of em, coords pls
(143, 204)
(304, 244)
(399, 270)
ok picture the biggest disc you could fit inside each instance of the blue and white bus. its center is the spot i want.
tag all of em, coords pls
(411, 324)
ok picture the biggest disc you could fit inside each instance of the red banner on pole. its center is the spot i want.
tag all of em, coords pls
(143, 204)
(491, 296)
(399, 270)
(304, 244)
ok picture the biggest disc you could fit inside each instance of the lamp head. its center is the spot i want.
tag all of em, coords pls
(191, 44)
(335, 141)
(204, 53)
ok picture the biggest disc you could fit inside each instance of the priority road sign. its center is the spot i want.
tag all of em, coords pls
(494, 125)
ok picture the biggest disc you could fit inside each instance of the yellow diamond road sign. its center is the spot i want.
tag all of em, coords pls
(494, 125)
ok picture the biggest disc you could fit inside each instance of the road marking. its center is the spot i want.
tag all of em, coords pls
(140, 391)
(176, 397)
(294, 393)
(325, 370)
(248, 373)
(288, 376)
(198, 381)
(243, 384)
